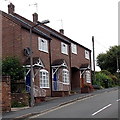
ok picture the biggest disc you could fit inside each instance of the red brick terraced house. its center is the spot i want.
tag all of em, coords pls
(60, 64)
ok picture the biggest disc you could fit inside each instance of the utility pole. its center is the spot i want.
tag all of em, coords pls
(31, 62)
(31, 67)
(93, 58)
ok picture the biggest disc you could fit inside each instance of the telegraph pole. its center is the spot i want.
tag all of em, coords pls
(32, 102)
(93, 58)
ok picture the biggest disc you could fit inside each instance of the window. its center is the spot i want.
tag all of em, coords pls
(64, 48)
(65, 76)
(44, 79)
(87, 56)
(88, 77)
(74, 48)
(42, 44)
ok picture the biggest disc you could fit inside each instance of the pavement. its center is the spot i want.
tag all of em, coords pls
(49, 104)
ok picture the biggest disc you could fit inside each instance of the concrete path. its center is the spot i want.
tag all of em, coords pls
(50, 104)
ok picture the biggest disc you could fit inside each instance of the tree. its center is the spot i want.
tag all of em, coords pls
(108, 60)
(12, 67)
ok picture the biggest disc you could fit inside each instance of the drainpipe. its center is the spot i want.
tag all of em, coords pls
(70, 65)
(50, 66)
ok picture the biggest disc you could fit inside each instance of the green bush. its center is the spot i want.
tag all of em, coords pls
(12, 67)
(18, 104)
(101, 80)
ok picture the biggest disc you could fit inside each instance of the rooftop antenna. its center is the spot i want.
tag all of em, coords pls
(8, 1)
(36, 6)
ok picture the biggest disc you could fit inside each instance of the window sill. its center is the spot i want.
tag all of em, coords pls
(65, 54)
(43, 51)
(45, 87)
(66, 83)
(87, 58)
(74, 53)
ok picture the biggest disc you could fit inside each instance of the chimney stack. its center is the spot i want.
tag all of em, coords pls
(61, 31)
(35, 17)
(11, 8)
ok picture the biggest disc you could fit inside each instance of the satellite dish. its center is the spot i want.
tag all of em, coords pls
(27, 51)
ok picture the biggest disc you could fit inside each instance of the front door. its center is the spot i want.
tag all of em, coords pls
(55, 80)
(28, 83)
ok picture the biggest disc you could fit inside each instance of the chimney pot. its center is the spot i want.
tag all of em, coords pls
(11, 8)
(35, 17)
(61, 31)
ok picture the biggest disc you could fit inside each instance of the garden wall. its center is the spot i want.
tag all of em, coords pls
(5, 94)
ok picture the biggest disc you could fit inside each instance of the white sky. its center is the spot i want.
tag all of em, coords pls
(81, 19)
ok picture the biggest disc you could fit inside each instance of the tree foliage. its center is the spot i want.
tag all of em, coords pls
(108, 60)
(11, 66)
(104, 78)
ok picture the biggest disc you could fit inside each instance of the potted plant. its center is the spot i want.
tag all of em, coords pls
(86, 88)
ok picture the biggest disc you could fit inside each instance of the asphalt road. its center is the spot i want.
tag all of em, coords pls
(104, 105)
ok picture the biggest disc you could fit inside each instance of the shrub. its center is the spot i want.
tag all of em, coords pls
(12, 67)
(103, 80)
(18, 104)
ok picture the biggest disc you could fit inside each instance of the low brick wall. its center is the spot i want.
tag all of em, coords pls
(5, 94)
(20, 98)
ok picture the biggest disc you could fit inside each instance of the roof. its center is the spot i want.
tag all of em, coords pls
(24, 24)
(48, 29)
(54, 33)
(37, 62)
(59, 62)
(62, 36)
(27, 24)
(85, 66)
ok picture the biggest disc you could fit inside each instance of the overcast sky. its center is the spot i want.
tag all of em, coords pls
(80, 19)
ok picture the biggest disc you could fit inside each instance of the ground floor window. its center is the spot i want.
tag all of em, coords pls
(44, 79)
(88, 77)
(65, 76)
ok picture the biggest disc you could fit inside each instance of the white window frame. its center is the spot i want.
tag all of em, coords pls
(74, 48)
(44, 79)
(87, 54)
(42, 45)
(65, 76)
(88, 76)
(64, 48)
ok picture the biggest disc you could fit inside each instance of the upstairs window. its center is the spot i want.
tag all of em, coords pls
(64, 48)
(42, 45)
(65, 76)
(44, 79)
(87, 55)
(74, 48)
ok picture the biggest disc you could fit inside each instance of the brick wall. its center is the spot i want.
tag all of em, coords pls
(79, 58)
(15, 39)
(5, 93)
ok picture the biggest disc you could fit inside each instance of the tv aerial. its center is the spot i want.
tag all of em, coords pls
(35, 5)
(8, 1)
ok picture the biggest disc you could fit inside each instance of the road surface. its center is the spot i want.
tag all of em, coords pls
(104, 105)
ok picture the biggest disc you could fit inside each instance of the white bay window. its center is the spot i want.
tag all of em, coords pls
(65, 76)
(44, 78)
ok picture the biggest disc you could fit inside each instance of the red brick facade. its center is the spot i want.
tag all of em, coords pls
(16, 37)
(5, 94)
